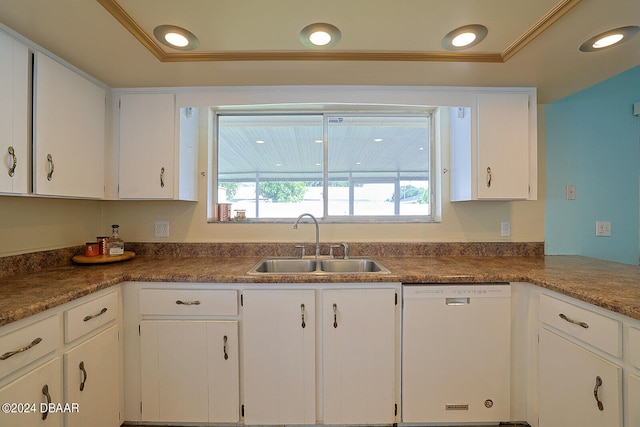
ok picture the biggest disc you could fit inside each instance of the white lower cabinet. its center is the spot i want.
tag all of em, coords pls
(279, 348)
(456, 354)
(29, 397)
(91, 381)
(189, 370)
(579, 365)
(347, 351)
(359, 356)
(576, 387)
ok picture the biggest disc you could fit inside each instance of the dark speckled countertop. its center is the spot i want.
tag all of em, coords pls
(613, 286)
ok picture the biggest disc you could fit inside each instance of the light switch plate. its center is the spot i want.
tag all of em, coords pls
(603, 228)
(505, 229)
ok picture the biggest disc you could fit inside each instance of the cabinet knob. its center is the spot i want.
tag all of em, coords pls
(14, 161)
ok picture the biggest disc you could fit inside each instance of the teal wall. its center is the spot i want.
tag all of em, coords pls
(593, 142)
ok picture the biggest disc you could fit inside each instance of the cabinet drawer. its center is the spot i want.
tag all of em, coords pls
(25, 345)
(592, 328)
(90, 316)
(633, 346)
(188, 302)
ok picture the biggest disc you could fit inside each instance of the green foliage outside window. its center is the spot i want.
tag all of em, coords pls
(283, 191)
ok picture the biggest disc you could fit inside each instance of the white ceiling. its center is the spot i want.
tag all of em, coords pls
(255, 42)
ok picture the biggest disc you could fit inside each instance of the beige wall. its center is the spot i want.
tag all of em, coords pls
(32, 224)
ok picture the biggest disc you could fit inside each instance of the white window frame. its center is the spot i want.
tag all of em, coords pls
(332, 110)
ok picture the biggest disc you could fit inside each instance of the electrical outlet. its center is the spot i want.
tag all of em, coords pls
(571, 192)
(603, 228)
(505, 229)
(161, 229)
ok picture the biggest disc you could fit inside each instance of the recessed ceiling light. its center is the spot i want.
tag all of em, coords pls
(259, 141)
(320, 35)
(377, 140)
(464, 37)
(176, 37)
(609, 39)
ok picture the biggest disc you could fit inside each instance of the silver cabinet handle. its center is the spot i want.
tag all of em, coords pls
(224, 347)
(304, 325)
(595, 393)
(84, 375)
(21, 350)
(575, 322)
(335, 315)
(489, 177)
(14, 161)
(45, 391)
(179, 302)
(50, 167)
(93, 316)
(162, 177)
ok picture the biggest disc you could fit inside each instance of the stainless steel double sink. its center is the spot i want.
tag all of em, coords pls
(352, 265)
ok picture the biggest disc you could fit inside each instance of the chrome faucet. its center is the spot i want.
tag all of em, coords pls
(295, 226)
(345, 250)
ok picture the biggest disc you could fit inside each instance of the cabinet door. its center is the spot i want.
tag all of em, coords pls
(279, 357)
(34, 391)
(359, 356)
(503, 146)
(14, 142)
(92, 373)
(223, 374)
(633, 409)
(147, 148)
(456, 354)
(569, 389)
(69, 132)
(184, 374)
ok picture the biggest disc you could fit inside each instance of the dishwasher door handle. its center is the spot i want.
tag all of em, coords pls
(458, 301)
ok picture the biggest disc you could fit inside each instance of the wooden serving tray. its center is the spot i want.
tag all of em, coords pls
(102, 259)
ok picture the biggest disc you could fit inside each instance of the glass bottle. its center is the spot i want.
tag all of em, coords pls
(115, 246)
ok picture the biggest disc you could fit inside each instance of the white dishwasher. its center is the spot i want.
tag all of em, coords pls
(456, 353)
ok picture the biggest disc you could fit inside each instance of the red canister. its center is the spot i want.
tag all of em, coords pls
(92, 249)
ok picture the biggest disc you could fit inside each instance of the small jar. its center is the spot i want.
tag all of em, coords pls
(92, 249)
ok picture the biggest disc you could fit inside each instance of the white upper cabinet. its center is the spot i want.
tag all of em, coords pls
(494, 151)
(68, 132)
(158, 148)
(14, 110)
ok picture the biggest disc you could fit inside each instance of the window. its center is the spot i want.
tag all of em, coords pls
(338, 165)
